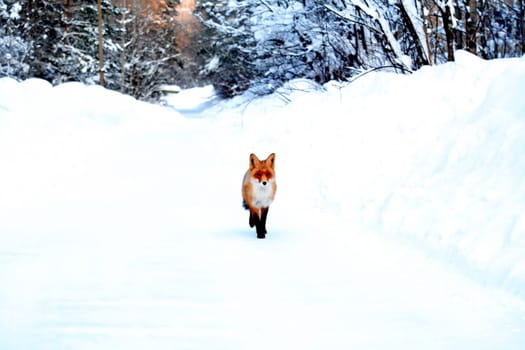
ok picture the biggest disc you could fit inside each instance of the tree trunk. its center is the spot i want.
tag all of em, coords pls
(421, 47)
(123, 53)
(522, 16)
(67, 15)
(449, 31)
(459, 35)
(100, 45)
(471, 27)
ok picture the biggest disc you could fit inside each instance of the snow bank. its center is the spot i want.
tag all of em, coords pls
(193, 100)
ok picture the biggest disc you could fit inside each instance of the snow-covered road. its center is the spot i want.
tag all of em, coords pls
(303, 287)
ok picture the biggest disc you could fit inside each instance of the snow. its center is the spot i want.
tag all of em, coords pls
(398, 221)
(191, 101)
(15, 11)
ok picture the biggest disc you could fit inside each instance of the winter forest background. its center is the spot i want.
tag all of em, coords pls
(240, 45)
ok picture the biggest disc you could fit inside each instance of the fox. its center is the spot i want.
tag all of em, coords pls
(258, 191)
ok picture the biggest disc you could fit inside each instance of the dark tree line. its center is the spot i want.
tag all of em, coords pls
(241, 45)
(58, 41)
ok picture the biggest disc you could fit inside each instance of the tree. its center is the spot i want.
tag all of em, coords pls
(412, 15)
(85, 51)
(310, 42)
(521, 24)
(227, 43)
(14, 49)
(378, 21)
(260, 45)
(471, 26)
(41, 27)
(445, 9)
(150, 54)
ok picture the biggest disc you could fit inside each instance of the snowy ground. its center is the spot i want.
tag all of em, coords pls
(398, 223)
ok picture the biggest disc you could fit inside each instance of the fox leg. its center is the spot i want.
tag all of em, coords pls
(264, 214)
(254, 218)
(261, 223)
(258, 219)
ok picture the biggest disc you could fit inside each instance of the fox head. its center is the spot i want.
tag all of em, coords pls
(262, 171)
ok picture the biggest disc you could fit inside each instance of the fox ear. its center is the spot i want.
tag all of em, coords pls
(270, 160)
(254, 161)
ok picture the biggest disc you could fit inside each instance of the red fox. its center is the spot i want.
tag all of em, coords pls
(258, 191)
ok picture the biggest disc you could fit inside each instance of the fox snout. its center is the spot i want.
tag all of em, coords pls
(263, 177)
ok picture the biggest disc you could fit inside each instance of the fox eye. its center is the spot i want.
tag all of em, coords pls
(258, 174)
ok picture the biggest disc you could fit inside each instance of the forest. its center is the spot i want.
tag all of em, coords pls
(138, 46)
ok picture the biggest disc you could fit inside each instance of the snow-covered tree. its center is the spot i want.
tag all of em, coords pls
(378, 22)
(150, 56)
(302, 39)
(76, 54)
(39, 26)
(259, 45)
(227, 43)
(501, 28)
(13, 47)
(58, 41)
(490, 29)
